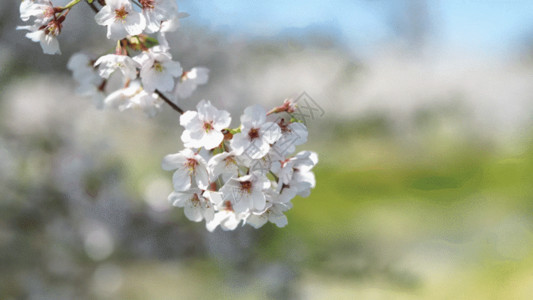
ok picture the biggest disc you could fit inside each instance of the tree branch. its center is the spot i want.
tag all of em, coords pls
(169, 102)
(94, 8)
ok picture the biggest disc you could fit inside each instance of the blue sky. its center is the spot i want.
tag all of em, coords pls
(492, 26)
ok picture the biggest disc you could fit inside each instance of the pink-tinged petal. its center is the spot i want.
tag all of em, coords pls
(173, 161)
(181, 180)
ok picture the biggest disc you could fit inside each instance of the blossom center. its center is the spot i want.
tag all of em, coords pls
(147, 4)
(253, 133)
(246, 186)
(158, 66)
(208, 126)
(228, 206)
(121, 13)
(52, 28)
(230, 160)
(284, 126)
(49, 12)
(191, 164)
(195, 200)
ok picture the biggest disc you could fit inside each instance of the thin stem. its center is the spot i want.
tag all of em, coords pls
(170, 103)
(70, 4)
(274, 175)
(93, 7)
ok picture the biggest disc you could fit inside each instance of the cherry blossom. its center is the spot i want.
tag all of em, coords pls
(246, 192)
(196, 206)
(121, 19)
(41, 10)
(157, 11)
(46, 35)
(203, 127)
(190, 167)
(134, 97)
(109, 63)
(225, 176)
(256, 133)
(190, 80)
(225, 164)
(158, 70)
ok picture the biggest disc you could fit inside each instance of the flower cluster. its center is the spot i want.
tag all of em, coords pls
(224, 176)
(228, 176)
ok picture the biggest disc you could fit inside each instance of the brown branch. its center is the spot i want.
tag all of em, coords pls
(169, 102)
(93, 7)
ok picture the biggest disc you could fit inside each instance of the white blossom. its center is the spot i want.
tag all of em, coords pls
(225, 164)
(246, 192)
(190, 80)
(225, 217)
(197, 206)
(121, 19)
(158, 70)
(189, 166)
(82, 68)
(292, 135)
(41, 10)
(134, 97)
(274, 214)
(295, 174)
(157, 11)
(256, 133)
(107, 64)
(46, 35)
(203, 127)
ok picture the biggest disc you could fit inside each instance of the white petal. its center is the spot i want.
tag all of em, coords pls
(135, 23)
(256, 115)
(270, 132)
(181, 180)
(239, 143)
(173, 161)
(193, 213)
(212, 139)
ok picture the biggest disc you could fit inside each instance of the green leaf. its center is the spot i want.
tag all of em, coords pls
(151, 42)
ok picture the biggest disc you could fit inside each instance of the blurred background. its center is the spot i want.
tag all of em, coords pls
(424, 186)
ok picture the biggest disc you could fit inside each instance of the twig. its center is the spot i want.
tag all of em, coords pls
(94, 8)
(169, 102)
